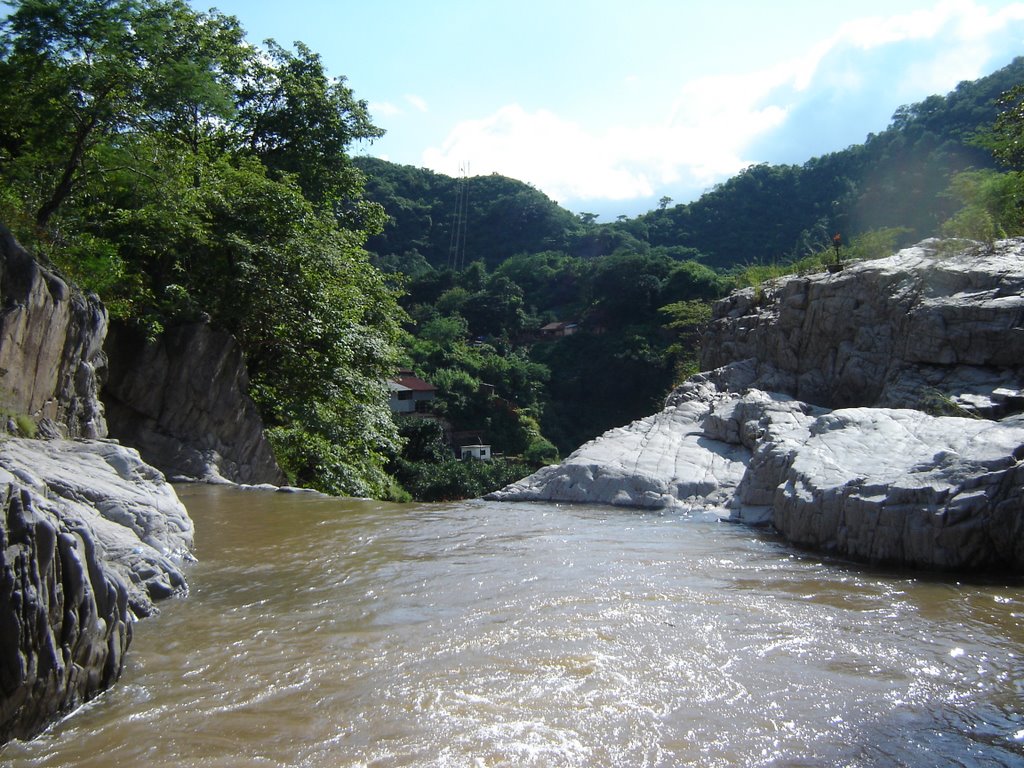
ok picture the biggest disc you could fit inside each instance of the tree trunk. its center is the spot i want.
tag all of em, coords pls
(67, 179)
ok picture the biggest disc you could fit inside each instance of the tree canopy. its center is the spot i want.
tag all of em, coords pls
(157, 157)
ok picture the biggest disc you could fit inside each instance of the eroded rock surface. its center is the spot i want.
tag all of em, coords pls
(899, 486)
(664, 460)
(51, 347)
(940, 320)
(183, 402)
(870, 413)
(90, 537)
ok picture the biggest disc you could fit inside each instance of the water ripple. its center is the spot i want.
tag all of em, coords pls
(327, 633)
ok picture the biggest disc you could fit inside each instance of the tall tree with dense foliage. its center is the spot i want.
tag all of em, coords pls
(80, 74)
(298, 121)
(993, 200)
(154, 155)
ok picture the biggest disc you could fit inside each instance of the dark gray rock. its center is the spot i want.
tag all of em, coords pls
(90, 537)
(182, 402)
(51, 347)
(64, 619)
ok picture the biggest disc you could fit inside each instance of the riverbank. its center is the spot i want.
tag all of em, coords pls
(91, 537)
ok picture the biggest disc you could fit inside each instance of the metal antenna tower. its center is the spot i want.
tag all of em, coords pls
(457, 240)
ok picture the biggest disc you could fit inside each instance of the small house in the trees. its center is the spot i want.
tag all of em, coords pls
(480, 452)
(409, 393)
(558, 329)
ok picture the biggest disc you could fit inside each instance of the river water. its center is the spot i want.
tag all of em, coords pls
(324, 632)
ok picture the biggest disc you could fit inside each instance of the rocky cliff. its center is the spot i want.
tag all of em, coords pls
(183, 402)
(51, 347)
(90, 536)
(868, 413)
(941, 320)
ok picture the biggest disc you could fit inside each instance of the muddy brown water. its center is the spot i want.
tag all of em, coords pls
(322, 632)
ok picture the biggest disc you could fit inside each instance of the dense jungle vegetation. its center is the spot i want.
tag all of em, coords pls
(153, 155)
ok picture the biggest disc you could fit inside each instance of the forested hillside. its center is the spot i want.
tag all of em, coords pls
(898, 177)
(508, 216)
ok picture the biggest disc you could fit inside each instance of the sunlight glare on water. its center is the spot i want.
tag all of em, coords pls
(325, 632)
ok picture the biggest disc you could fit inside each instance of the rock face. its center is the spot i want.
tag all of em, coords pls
(897, 486)
(813, 418)
(929, 322)
(51, 347)
(662, 461)
(89, 537)
(182, 402)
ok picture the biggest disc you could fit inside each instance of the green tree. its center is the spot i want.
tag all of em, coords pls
(81, 72)
(298, 121)
(180, 171)
(550, 281)
(991, 200)
(627, 285)
(497, 310)
(691, 280)
(687, 320)
(1005, 139)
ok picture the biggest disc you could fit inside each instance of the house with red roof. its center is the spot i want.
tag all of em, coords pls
(409, 393)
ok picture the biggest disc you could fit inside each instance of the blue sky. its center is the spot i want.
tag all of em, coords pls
(608, 106)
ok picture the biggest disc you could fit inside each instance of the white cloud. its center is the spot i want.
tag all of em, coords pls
(961, 24)
(418, 102)
(697, 143)
(555, 154)
(383, 109)
(701, 136)
(964, 19)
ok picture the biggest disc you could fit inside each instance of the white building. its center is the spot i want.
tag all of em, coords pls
(481, 452)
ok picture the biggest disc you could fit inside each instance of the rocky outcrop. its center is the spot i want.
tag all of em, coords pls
(182, 402)
(870, 413)
(51, 347)
(90, 536)
(940, 322)
(895, 486)
(662, 461)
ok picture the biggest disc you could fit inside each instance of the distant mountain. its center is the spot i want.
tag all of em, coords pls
(455, 221)
(897, 178)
